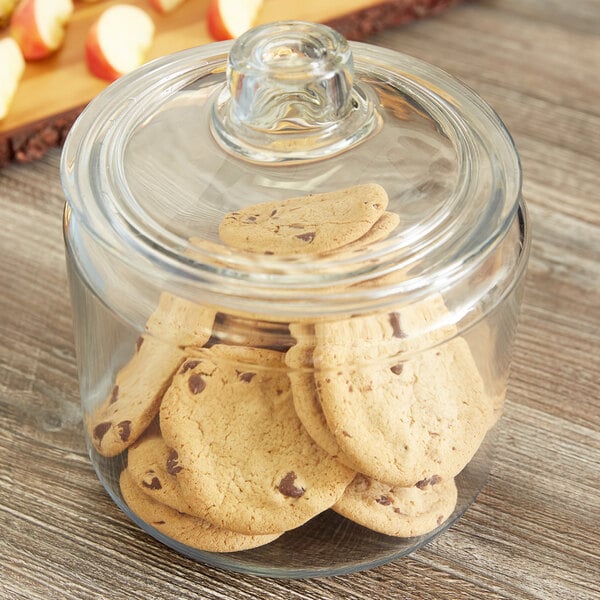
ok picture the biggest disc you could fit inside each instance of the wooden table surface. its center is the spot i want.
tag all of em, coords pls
(534, 530)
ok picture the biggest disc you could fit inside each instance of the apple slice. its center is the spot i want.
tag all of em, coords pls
(118, 41)
(165, 6)
(39, 26)
(228, 19)
(12, 65)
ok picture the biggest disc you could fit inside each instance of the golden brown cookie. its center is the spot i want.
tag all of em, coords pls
(183, 528)
(398, 511)
(181, 322)
(245, 458)
(307, 224)
(135, 397)
(304, 392)
(154, 466)
(380, 231)
(398, 417)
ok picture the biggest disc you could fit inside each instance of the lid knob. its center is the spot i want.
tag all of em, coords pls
(290, 95)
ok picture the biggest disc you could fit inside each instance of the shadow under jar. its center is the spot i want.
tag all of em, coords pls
(296, 266)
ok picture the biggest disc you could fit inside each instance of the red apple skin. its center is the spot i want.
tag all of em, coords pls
(95, 59)
(216, 27)
(24, 29)
(157, 5)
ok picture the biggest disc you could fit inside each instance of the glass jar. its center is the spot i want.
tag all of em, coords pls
(296, 266)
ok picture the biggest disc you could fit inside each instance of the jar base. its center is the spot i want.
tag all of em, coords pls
(327, 545)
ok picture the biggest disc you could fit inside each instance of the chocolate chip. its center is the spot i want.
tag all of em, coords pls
(114, 395)
(124, 430)
(138, 343)
(246, 377)
(188, 365)
(383, 500)
(196, 383)
(287, 488)
(395, 323)
(101, 429)
(429, 481)
(273, 212)
(172, 459)
(153, 485)
(397, 369)
(250, 219)
(306, 237)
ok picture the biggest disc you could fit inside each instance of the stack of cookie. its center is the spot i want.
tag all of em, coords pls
(230, 443)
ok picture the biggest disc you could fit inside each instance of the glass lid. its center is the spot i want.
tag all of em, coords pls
(290, 110)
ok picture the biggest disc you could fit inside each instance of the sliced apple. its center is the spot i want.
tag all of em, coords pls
(12, 65)
(165, 6)
(39, 26)
(228, 19)
(118, 41)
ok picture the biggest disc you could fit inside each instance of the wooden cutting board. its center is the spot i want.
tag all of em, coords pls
(61, 85)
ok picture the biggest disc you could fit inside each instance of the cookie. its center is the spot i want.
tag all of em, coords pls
(135, 397)
(181, 322)
(491, 347)
(307, 224)
(399, 413)
(154, 466)
(186, 529)
(245, 458)
(304, 392)
(380, 231)
(398, 511)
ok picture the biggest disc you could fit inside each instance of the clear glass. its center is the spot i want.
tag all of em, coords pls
(328, 543)
(322, 374)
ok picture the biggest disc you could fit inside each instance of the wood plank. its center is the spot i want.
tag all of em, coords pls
(533, 531)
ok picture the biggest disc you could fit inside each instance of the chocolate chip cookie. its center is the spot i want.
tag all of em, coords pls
(246, 460)
(306, 224)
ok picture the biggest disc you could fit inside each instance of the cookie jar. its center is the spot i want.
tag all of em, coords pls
(296, 265)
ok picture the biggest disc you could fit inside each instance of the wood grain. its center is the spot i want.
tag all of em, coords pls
(532, 533)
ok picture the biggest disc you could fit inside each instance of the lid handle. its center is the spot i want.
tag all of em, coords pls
(290, 95)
